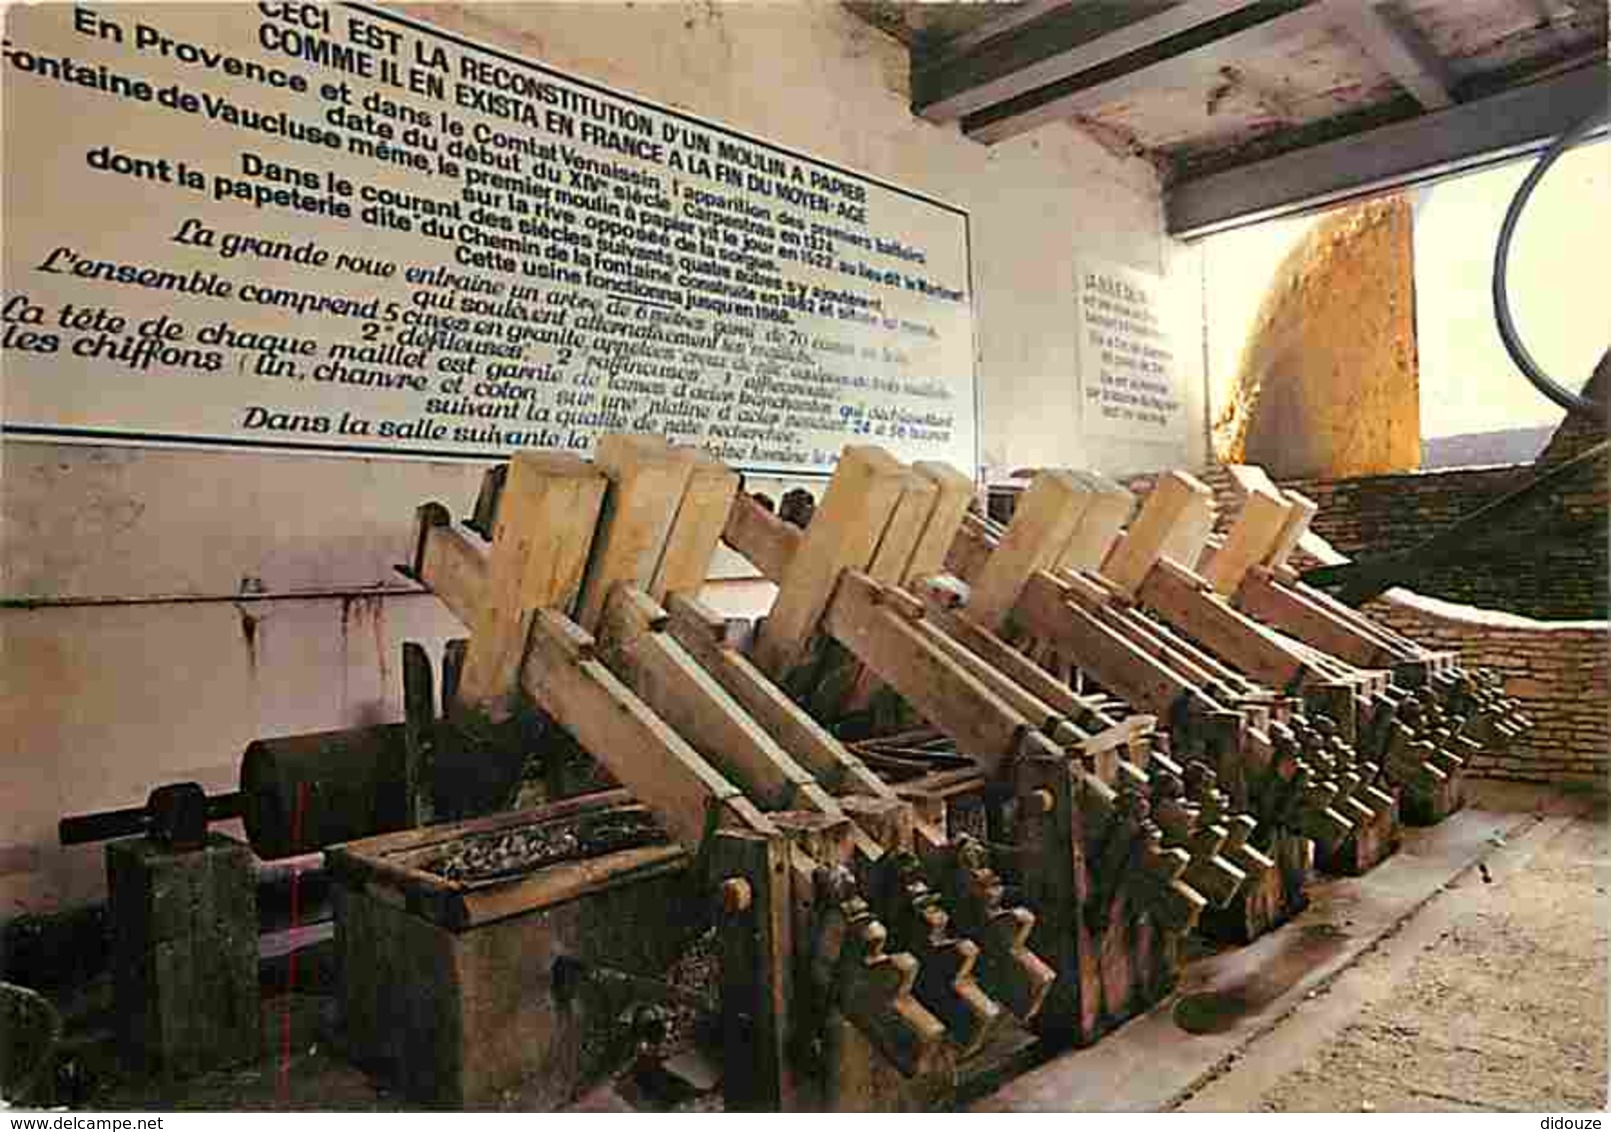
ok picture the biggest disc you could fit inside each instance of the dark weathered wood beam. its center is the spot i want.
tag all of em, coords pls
(1238, 32)
(1397, 46)
(1010, 61)
(1463, 137)
(1009, 21)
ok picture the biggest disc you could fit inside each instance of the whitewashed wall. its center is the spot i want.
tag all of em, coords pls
(98, 701)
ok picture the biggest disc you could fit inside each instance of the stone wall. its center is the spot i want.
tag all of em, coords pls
(1549, 563)
(1557, 669)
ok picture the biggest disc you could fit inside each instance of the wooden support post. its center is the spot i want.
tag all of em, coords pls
(1292, 531)
(953, 495)
(1047, 515)
(1050, 837)
(647, 479)
(892, 561)
(1105, 515)
(845, 532)
(755, 917)
(697, 528)
(546, 518)
(1251, 541)
(1174, 523)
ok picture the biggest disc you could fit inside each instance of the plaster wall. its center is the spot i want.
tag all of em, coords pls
(165, 607)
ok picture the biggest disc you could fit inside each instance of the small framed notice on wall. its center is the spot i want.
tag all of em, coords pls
(1128, 382)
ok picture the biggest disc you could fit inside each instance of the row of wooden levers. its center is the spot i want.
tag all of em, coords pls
(964, 780)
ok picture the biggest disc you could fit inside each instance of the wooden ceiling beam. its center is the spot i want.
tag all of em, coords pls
(1257, 28)
(1464, 137)
(1396, 45)
(1012, 61)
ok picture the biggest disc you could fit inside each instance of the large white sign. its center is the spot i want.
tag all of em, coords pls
(1128, 383)
(327, 226)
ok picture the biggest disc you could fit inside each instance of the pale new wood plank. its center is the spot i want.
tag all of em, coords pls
(697, 528)
(955, 495)
(844, 533)
(1252, 539)
(1178, 513)
(546, 518)
(1045, 519)
(647, 478)
(1105, 516)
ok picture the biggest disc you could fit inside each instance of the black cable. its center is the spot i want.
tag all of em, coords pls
(1562, 396)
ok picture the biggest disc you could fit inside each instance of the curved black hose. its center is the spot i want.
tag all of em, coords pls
(1562, 396)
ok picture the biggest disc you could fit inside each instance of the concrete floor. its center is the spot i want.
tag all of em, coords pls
(1467, 973)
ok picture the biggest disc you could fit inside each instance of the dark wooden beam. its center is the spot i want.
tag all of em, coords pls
(1461, 138)
(1236, 33)
(1063, 41)
(1396, 45)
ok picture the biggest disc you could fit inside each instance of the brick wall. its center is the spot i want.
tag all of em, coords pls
(1557, 669)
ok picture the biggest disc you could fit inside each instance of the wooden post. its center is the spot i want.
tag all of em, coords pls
(647, 479)
(1047, 515)
(845, 532)
(1251, 541)
(954, 493)
(546, 517)
(1174, 522)
(752, 877)
(1105, 516)
(697, 528)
